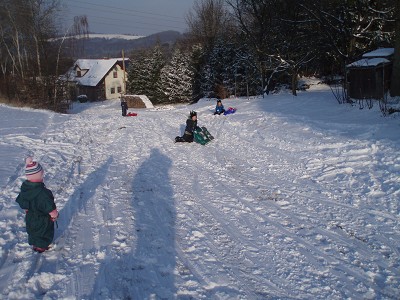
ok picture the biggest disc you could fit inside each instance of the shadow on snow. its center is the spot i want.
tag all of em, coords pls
(148, 272)
(79, 198)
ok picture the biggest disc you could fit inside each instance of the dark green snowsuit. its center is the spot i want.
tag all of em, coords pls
(38, 201)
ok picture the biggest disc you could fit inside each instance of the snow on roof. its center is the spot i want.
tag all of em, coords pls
(368, 62)
(146, 101)
(97, 69)
(382, 52)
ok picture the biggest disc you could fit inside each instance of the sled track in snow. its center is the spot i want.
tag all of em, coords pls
(201, 222)
(262, 201)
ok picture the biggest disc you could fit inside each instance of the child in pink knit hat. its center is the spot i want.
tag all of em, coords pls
(38, 202)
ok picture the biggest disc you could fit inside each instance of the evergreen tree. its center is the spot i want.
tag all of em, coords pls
(207, 81)
(230, 70)
(197, 61)
(246, 73)
(152, 70)
(136, 82)
(176, 79)
(217, 74)
(144, 73)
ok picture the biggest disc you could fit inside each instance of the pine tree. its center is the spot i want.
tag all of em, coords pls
(152, 69)
(144, 73)
(135, 82)
(230, 70)
(177, 78)
(207, 80)
(197, 61)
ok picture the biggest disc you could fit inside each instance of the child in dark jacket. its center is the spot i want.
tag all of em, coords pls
(38, 202)
(219, 108)
(191, 126)
(124, 107)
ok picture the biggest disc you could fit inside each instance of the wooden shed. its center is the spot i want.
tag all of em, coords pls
(369, 77)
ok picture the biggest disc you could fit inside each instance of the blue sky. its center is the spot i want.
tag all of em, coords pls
(141, 17)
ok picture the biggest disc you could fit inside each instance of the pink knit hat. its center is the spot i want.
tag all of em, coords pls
(33, 170)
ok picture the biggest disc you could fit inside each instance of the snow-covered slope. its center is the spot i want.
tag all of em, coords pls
(107, 36)
(296, 198)
(114, 36)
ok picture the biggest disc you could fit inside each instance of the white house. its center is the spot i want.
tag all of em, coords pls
(99, 79)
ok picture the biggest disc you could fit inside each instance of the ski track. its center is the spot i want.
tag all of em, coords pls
(191, 222)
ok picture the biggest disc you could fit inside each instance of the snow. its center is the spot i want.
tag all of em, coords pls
(105, 36)
(366, 62)
(145, 100)
(295, 198)
(381, 52)
(114, 36)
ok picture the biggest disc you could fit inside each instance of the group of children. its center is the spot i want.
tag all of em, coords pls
(38, 201)
(191, 124)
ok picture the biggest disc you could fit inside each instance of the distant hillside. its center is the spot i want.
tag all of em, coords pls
(98, 45)
(109, 36)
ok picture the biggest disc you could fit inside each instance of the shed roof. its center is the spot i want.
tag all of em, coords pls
(381, 52)
(368, 62)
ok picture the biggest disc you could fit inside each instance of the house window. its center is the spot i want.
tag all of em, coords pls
(119, 89)
(112, 90)
(78, 73)
(115, 74)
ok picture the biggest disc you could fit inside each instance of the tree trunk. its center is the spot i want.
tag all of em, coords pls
(19, 55)
(294, 82)
(39, 66)
(395, 82)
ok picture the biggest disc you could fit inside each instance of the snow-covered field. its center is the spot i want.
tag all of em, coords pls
(107, 36)
(114, 36)
(296, 198)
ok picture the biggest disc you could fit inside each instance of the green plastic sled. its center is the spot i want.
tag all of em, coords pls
(202, 136)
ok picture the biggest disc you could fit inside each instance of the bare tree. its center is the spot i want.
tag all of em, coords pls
(348, 28)
(41, 25)
(310, 34)
(258, 21)
(276, 31)
(11, 34)
(80, 28)
(208, 21)
(25, 27)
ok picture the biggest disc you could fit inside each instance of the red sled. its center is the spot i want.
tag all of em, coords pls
(131, 114)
